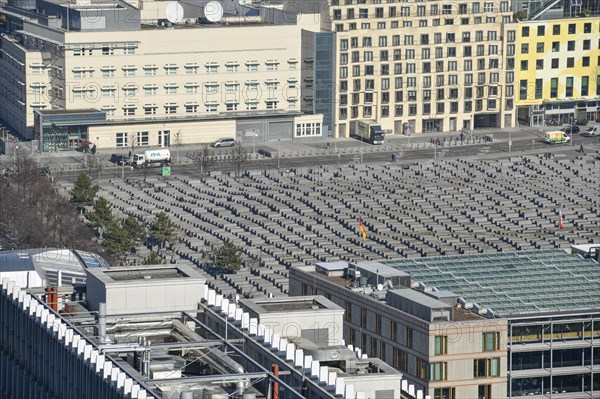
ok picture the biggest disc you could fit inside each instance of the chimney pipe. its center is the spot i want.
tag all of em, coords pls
(52, 298)
(102, 321)
(275, 367)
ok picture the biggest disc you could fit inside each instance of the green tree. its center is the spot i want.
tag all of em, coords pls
(84, 191)
(154, 259)
(101, 215)
(229, 257)
(116, 240)
(135, 229)
(162, 229)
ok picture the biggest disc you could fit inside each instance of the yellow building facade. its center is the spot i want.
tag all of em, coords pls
(557, 70)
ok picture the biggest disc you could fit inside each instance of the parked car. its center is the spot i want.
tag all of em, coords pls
(119, 159)
(571, 129)
(592, 131)
(225, 142)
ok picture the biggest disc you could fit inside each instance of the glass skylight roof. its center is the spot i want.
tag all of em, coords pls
(512, 283)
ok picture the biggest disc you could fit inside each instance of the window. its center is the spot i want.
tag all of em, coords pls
(150, 109)
(129, 49)
(121, 140)
(539, 64)
(191, 88)
(485, 392)
(170, 69)
(570, 62)
(171, 88)
(569, 87)
(585, 61)
(211, 107)
(108, 50)
(491, 340)
(191, 108)
(212, 68)
(555, 47)
(191, 69)
(571, 45)
(555, 63)
(130, 90)
(554, 88)
(523, 89)
(421, 369)
(540, 47)
(108, 72)
(143, 138)
(231, 67)
(524, 48)
(444, 393)
(524, 65)
(150, 90)
(525, 31)
(150, 70)
(572, 29)
(486, 367)
(170, 108)
(585, 82)
(231, 106)
(541, 30)
(274, 65)
(129, 70)
(438, 371)
(556, 30)
(587, 27)
(586, 44)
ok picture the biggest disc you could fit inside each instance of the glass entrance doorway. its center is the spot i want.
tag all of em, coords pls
(432, 125)
(164, 138)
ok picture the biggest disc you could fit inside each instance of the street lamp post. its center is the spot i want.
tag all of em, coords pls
(361, 150)
(278, 153)
(571, 132)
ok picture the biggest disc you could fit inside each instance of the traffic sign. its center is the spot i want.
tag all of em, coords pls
(166, 171)
(509, 142)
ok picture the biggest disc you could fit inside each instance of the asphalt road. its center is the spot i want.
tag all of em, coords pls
(493, 150)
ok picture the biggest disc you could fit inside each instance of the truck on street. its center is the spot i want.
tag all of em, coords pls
(151, 158)
(369, 131)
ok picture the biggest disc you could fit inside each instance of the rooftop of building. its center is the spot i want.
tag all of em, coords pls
(48, 262)
(512, 283)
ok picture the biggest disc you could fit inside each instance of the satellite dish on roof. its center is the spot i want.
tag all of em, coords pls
(379, 287)
(174, 12)
(213, 11)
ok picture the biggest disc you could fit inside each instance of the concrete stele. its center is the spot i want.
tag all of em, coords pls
(127, 385)
(361, 395)
(307, 362)
(299, 358)
(290, 352)
(205, 291)
(411, 390)
(224, 305)
(100, 361)
(349, 392)
(419, 394)
(268, 339)
(120, 379)
(323, 374)
(253, 326)
(212, 296)
(238, 314)
(218, 302)
(275, 341)
(107, 369)
(404, 385)
(314, 368)
(339, 386)
(260, 330)
(245, 321)
(231, 310)
(331, 379)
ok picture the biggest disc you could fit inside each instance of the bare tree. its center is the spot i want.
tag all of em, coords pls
(203, 158)
(240, 157)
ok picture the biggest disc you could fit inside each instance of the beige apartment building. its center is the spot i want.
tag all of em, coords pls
(421, 66)
(118, 76)
(440, 347)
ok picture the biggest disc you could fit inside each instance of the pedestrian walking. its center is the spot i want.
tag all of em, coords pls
(581, 148)
(393, 157)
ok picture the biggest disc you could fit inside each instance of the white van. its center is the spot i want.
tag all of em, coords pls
(592, 131)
